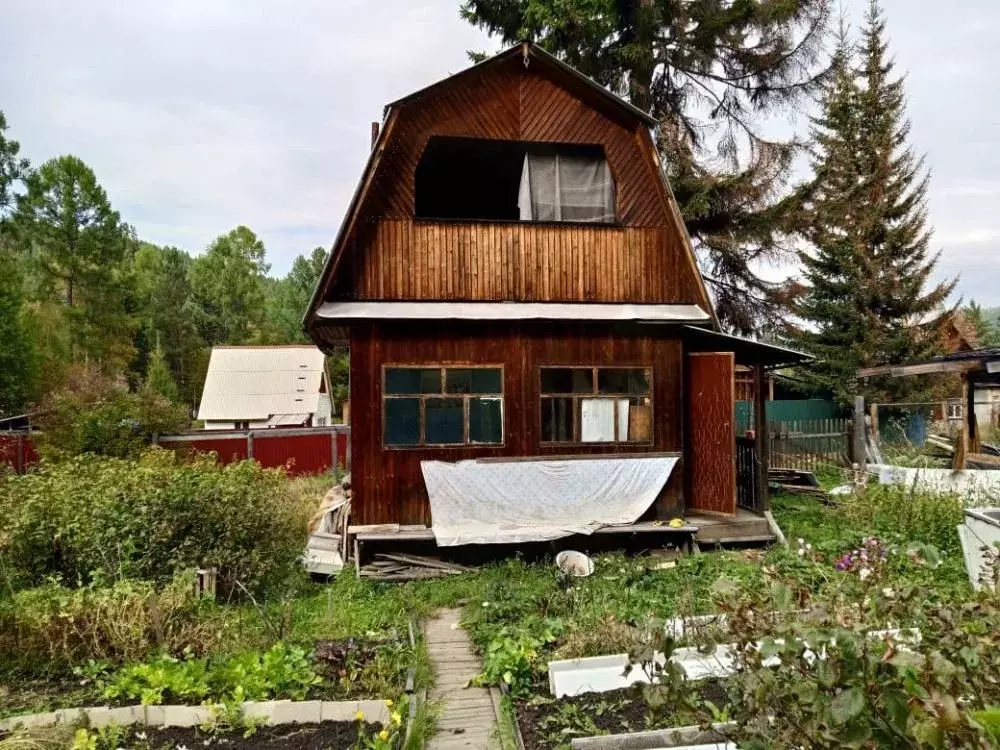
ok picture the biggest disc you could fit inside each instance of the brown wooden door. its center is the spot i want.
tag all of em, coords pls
(711, 442)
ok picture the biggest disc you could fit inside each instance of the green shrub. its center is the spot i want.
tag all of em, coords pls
(93, 519)
(48, 630)
(282, 671)
(96, 414)
(907, 513)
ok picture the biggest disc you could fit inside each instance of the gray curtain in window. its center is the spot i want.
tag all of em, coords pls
(558, 187)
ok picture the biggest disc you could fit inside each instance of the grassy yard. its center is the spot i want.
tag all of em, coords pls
(286, 637)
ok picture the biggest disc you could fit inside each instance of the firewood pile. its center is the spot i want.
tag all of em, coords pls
(401, 567)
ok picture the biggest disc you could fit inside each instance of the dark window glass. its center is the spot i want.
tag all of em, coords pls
(415, 380)
(473, 380)
(443, 421)
(567, 380)
(485, 420)
(402, 421)
(622, 380)
(557, 420)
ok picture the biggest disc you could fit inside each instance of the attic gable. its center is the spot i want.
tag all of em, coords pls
(522, 95)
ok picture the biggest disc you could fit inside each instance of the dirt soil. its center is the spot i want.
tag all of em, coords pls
(330, 735)
(550, 724)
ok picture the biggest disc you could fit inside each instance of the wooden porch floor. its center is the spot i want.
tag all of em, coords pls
(744, 526)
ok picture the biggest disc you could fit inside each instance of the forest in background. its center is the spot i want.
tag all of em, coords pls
(90, 311)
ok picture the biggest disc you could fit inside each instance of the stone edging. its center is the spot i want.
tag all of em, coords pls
(271, 712)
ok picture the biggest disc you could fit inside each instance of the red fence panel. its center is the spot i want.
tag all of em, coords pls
(17, 451)
(312, 450)
(299, 454)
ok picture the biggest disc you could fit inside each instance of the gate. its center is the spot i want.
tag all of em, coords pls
(747, 495)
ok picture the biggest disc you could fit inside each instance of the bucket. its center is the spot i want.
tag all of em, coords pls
(574, 563)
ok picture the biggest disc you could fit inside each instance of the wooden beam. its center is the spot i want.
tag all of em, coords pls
(858, 447)
(925, 368)
(969, 394)
(761, 442)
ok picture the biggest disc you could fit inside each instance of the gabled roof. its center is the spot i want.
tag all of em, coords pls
(258, 382)
(530, 52)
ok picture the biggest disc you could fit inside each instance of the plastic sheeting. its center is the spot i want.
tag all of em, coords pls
(509, 502)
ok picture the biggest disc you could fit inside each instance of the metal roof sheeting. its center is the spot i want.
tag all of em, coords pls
(257, 382)
(511, 311)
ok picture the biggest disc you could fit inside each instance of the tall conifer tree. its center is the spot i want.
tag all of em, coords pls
(870, 262)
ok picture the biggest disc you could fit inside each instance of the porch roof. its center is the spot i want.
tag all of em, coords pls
(347, 311)
(747, 351)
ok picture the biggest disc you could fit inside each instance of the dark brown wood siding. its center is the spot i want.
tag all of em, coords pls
(510, 102)
(388, 485)
(423, 260)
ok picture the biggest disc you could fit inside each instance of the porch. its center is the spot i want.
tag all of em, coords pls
(700, 531)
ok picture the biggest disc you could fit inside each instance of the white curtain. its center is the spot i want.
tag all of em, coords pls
(559, 187)
(597, 420)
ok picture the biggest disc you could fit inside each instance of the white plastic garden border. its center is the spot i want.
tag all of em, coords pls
(678, 738)
(271, 712)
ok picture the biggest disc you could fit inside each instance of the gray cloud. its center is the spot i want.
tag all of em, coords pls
(198, 115)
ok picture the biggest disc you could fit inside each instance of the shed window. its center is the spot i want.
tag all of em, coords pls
(426, 406)
(478, 179)
(596, 405)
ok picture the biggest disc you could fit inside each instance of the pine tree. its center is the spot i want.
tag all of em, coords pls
(707, 71)
(158, 376)
(869, 265)
(80, 251)
(17, 351)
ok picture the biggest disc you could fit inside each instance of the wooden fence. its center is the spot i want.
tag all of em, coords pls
(805, 444)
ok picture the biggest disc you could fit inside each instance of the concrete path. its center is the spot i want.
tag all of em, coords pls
(468, 718)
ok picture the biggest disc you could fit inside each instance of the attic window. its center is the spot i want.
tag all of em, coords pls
(477, 179)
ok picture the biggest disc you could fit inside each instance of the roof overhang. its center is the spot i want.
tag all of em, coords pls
(747, 351)
(500, 311)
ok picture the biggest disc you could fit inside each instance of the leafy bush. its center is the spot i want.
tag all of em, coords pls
(95, 414)
(282, 671)
(51, 628)
(832, 677)
(913, 515)
(513, 656)
(94, 519)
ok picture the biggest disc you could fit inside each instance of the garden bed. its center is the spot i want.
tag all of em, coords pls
(330, 735)
(547, 723)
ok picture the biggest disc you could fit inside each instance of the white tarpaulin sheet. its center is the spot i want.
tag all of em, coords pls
(509, 502)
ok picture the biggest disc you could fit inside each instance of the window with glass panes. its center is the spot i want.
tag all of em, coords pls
(596, 404)
(449, 405)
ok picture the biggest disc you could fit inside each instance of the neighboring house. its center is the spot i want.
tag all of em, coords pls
(255, 387)
(515, 281)
(952, 329)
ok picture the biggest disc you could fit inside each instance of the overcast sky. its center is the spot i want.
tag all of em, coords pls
(200, 115)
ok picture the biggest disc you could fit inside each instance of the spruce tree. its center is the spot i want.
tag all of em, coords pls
(870, 261)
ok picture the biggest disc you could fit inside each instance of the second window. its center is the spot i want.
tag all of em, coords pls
(596, 405)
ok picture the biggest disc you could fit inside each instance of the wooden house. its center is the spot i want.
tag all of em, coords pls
(515, 283)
